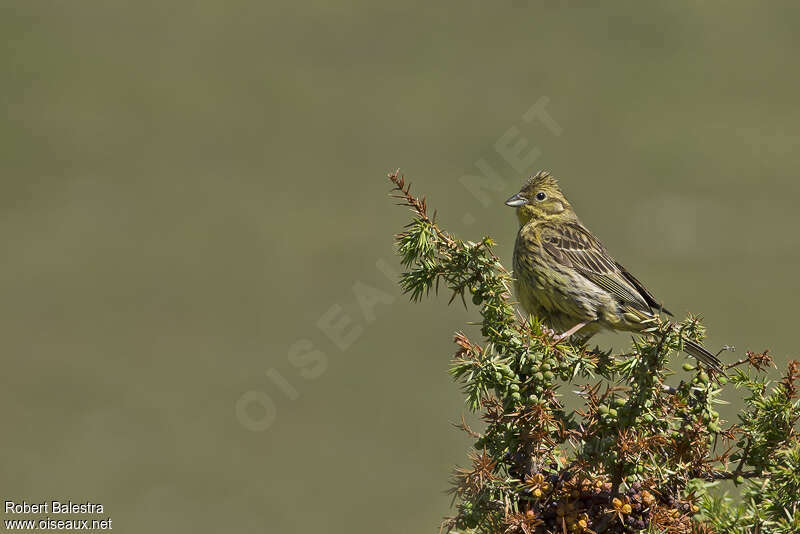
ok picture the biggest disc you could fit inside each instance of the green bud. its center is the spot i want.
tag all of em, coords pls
(546, 367)
(619, 401)
(533, 399)
(498, 377)
(722, 380)
(513, 387)
(714, 427)
(688, 367)
(549, 376)
(477, 299)
(516, 396)
(703, 377)
(738, 480)
(539, 377)
(612, 412)
(603, 409)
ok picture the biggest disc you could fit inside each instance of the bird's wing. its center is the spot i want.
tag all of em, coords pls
(572, 245)
(651, 300)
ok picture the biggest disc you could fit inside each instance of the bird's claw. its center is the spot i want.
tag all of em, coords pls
(555, 338)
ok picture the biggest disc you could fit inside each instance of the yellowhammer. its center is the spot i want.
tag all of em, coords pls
(564, 275)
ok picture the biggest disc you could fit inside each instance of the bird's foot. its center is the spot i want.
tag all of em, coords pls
(561, 337)
(558, 338)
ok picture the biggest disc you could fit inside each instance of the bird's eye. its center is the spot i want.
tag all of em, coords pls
(540, 196)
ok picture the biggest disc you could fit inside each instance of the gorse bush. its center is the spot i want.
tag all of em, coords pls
(642, 452)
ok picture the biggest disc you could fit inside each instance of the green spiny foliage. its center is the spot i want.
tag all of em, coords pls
(639, 456)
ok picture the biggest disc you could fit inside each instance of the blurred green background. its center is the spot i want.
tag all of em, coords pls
(189, 189)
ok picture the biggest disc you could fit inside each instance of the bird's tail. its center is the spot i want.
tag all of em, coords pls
(701, 354)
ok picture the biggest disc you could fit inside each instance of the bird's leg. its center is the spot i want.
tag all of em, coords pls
(569, 332)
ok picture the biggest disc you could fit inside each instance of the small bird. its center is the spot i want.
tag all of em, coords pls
(565, 276)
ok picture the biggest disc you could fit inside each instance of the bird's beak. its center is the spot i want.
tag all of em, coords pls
(516, 201)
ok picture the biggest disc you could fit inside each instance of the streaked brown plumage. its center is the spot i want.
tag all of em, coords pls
(566, 277)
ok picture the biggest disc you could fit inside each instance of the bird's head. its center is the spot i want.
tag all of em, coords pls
(541, 199)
